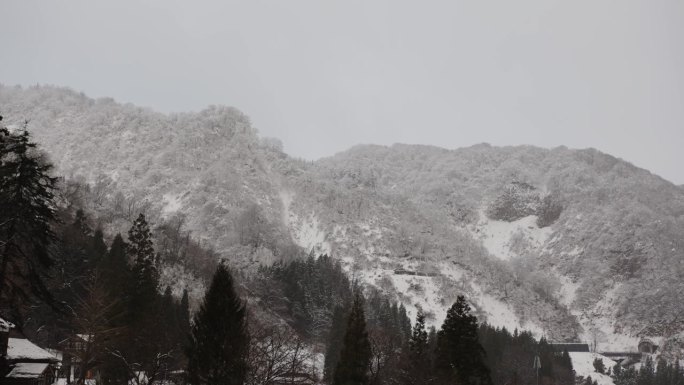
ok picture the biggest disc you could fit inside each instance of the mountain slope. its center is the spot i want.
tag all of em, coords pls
(615, 245)
(568, 243)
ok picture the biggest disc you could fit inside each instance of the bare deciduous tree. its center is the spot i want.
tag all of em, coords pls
(279, 356)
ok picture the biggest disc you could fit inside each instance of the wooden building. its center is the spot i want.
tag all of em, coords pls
(23, 362)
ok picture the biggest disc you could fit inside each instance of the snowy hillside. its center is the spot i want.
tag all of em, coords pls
(572, 244)
(583, 364)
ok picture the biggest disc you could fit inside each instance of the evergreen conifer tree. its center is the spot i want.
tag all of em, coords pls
(167, 328)
(26, 215)
(599, 367)
(145, 276)
(662, 373)
(184, 316)
(335, 338)
(81, 223)
(219, 340)
(116, 279)
(459, 356)
(677, 374)
(99, 247)
(140, 246)
(183, 326)
(353, 365)
(416, 369)
(404, 322)
(114, 268)
(646, 373)
(566, 360)
(146, 344)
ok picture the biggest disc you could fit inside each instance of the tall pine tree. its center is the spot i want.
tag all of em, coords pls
(99, 247)
(219, 340)
(416, 367)
(145, 276)
(353, 365)
(460, 357)
(147, 346)
(26, 214)
(335, 338)
(116, 272)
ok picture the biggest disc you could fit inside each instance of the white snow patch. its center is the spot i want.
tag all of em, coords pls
(567, 291)
(583, 364)
(498, 236)
(500, 314)
(423, 292)
(599, 325)
(172, 204)
(306, 231)
(310, 236)
(433, 296)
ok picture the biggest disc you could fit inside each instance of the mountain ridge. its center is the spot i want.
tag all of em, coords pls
(537, 237)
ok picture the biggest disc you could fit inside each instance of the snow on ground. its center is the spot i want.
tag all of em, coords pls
(370, 243)
(310, 236)
(498, 237)
(305, 231)
(583, 364)
(367, 262)
(435, 294)
(567, 291)
(500, 314)
(599, 324)
(172, 204)
(417, 291)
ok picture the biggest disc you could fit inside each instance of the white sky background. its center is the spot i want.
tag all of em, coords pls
(323, 76)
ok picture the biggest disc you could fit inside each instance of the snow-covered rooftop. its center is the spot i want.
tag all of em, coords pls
(23, 349)
(5, 326)
(28, 370)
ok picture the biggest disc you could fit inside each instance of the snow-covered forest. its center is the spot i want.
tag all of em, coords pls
(139, 236)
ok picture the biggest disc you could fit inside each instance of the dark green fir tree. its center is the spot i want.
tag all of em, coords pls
(146, 280)
(459, 357)
(416, 368)
(335, 339)
(354, 363)
(99, 247)
(219, 340)
(27, 212)
(114, 268)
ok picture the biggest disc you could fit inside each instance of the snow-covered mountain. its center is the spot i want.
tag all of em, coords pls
(574, 244)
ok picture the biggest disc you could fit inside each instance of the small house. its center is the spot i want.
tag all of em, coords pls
(23, 362)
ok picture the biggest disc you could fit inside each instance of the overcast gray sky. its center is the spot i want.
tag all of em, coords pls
(323, 76)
